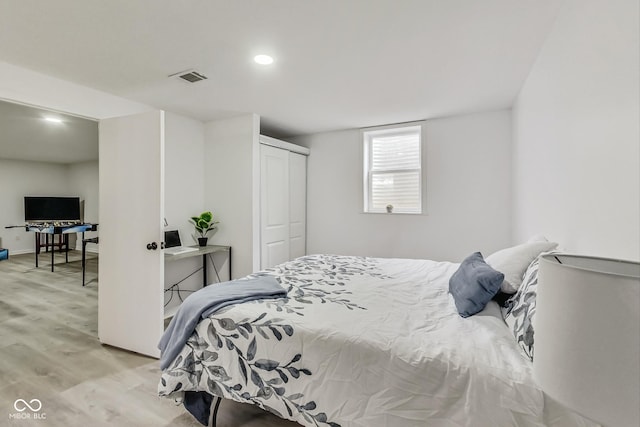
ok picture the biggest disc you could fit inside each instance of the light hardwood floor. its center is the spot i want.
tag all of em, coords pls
(49, 350)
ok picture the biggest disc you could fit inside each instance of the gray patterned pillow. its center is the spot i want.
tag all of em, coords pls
(520, 310)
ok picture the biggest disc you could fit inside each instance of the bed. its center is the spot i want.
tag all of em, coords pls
(362, 342)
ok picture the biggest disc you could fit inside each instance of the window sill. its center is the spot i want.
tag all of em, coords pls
(395, 213)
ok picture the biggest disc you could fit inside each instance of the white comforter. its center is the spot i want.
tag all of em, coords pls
(364, 342)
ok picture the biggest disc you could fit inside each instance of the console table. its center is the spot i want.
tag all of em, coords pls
(204, 251)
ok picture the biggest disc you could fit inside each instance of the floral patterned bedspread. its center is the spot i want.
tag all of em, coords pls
(361, 342)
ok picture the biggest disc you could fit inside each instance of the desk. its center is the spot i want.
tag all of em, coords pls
(61, 230)
(204, 251)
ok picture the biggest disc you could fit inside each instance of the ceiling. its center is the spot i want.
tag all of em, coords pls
(338, 64)
(26, 134)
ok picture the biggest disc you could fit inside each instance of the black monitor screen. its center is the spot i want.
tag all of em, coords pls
(172, 239)
(51, 209)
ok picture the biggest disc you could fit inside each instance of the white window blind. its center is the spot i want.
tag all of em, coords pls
(392, 169)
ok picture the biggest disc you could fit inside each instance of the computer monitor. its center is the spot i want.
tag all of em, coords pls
(172, 239)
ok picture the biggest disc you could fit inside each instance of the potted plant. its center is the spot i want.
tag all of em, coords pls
(203, 224)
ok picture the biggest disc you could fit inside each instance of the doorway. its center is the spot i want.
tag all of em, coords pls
(46, 153)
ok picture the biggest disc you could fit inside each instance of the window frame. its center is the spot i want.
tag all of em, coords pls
(366, 135)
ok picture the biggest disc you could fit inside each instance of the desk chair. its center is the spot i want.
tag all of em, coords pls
(84, 253)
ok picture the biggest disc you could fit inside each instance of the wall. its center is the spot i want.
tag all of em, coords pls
(43, 179)
(576, 157)
(230, 152)
(468, 193)
(183, 198)
(21, 178)
(29, 87)
(184, 173)
(82, 181)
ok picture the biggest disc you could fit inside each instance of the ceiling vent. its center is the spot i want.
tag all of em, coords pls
(191, 76)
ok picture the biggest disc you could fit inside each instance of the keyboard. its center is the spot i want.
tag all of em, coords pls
(177, 250)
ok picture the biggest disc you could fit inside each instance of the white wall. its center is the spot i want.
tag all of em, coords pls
(184, 173)
(576, 157)
(43, 179)
(29, 87)
(82, 181)
(468, 193)
(230, 152)
(184, 191)
(19, 179)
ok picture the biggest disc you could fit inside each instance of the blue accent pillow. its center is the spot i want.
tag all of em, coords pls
(474, 284)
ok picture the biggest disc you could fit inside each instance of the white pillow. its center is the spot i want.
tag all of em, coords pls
(513, 262)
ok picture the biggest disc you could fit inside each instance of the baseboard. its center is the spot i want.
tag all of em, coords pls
(91, 248)
(20, 252)
(42, 252)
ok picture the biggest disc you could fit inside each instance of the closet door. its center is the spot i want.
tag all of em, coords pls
(297, 205)
(274, 206)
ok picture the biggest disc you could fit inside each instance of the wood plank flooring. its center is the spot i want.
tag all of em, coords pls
(49, 350)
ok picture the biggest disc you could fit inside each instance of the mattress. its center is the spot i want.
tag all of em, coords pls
(364, 342)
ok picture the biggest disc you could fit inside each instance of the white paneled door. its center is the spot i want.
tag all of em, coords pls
(297, 205)
(274, 206)
(131, 263)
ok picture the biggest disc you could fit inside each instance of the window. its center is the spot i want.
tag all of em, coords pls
(392, 169)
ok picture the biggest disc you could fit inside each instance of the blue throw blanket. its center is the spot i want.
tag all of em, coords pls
(206, 301)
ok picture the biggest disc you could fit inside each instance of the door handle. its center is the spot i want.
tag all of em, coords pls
(152, 246)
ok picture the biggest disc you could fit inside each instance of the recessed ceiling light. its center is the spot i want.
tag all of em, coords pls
(263, 59)
(53, 119)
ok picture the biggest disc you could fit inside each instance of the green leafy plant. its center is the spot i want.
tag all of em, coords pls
(204, 223)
